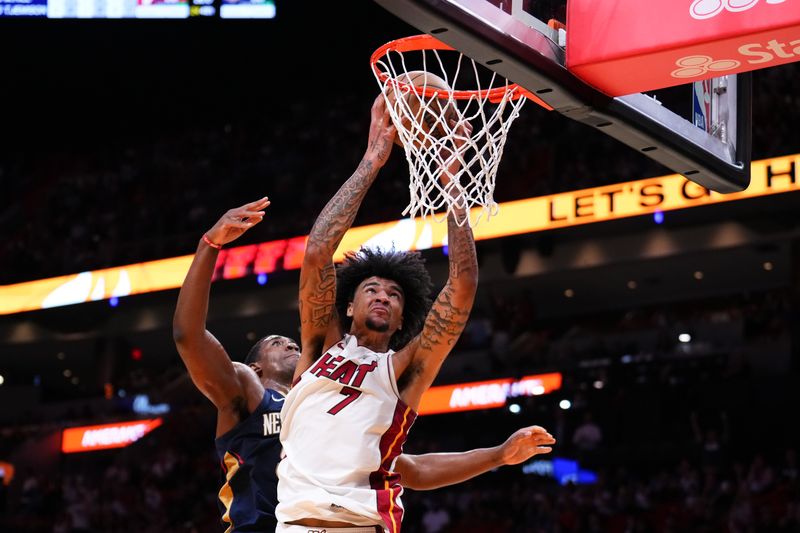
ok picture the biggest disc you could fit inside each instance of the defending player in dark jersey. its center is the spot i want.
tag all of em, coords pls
(250, 396)
(247, 396)
(249, 453)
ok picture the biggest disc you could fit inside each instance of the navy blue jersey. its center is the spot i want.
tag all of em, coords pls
(249, 454)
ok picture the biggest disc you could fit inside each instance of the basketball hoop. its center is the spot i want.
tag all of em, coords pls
(475, 95)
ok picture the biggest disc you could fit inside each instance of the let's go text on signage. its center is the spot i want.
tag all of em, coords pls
(634, 198)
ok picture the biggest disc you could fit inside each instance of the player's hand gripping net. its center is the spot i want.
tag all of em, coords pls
(444, 128)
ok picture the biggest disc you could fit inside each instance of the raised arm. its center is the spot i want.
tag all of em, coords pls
(209, 366)
(419, 363)
(319, 325)
(435, 470)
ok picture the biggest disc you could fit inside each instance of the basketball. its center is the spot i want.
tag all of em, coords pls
(427, 118)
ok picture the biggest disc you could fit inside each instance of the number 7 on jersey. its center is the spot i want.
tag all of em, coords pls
(350, 394)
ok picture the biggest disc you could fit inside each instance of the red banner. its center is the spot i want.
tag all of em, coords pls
(6, 473)
(631, 46)
(105, 436)
(485, 394)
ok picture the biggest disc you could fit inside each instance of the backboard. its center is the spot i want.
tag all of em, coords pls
(526, 42)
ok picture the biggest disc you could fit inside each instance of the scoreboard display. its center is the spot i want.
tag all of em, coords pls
(137, 9)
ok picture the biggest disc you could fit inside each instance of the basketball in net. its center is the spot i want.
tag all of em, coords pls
(452, 115)
(421, 117)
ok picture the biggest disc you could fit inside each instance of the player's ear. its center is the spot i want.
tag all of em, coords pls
(350, 309)
(256, 368)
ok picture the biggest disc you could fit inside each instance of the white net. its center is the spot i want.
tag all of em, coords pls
(449, 165)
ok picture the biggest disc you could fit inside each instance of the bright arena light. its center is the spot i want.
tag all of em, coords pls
(565, 404)
(514, 408)
(685, 337)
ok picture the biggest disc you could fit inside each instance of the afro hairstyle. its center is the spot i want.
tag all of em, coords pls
(407, 269)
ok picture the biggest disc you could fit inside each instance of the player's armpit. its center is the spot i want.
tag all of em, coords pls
(317, 301)
(417, 365)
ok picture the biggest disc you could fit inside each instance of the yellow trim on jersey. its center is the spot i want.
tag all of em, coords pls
(391, 446)
(386, 481)
(226, 492)
(391, 507)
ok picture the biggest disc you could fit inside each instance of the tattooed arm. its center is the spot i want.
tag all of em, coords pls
(417, 364)
(319, 324)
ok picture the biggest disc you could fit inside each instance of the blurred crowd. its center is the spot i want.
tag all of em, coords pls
(165, 484)
(668, 405)
(750, 495)
(681, 436)
(149, 195)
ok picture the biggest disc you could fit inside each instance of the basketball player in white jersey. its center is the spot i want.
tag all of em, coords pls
(369, 352)
(249, 398)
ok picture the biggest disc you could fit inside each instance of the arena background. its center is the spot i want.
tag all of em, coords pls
(675, 333)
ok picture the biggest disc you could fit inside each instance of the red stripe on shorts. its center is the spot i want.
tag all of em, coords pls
(386, 483)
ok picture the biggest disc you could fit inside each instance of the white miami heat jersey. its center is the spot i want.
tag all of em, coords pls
(344, 425)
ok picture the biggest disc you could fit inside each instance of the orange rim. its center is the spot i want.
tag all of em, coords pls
(428, 42)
